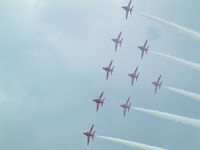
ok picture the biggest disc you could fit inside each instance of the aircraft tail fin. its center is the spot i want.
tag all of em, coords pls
(120, 42)
(147, 49)
(112, 69)
(137, 76)
(102, 102)
(131, 10)
(93, 135)
(129, 106)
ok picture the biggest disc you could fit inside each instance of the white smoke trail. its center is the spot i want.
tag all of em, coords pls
(130, 143)
(180, 119)
(184, 93)
(178, 60)
(189, 32)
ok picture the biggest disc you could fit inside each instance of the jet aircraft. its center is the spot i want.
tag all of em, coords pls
(128, 9)
(157, 84)
(89, 134)
(99, 101)
(126, 106)
(118, 41)
(144, 48)
(109, 69)
(134, 75)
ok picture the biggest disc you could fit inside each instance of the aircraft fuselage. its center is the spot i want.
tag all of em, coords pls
(126, 8)
(142, 48)
(124, 106)
(115, 40)
(106, 69)
(156, 83)
(98, 100)
(87, 134)
(133, 75)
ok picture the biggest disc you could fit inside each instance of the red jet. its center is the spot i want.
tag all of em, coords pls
(144, 48)
(157, 84)
(134, 75)
(109, 69)
(89, 134)
(126, 106)
(99, 101)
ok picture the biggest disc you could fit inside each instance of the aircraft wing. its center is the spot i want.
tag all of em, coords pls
(110, 64)
(91, 128)
(88, 140)
(124, 112)
(116, 45)
(136, 70)
(127, 14)
(119, 35)
(145, 44)
(142, 54)
(156, 87)
(159, 78)
(101, 95)
(132, 81)
(128, 100)
(97, 107)
(107, 74)
(129, 4)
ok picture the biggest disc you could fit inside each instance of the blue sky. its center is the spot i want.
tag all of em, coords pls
(51, 59)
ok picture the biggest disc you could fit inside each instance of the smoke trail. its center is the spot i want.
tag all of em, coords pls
(184, 93)
(180, 119)
(130, 143)
(180, 61)
(189, 32)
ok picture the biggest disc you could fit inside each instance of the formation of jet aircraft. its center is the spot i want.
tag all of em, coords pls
(144, 48)
(99, 101)
(134, 75)
(128, 8)
(126, 106)
(109, 69)
(118, 41)
(157, 84)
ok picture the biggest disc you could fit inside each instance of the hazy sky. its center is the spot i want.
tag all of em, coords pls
(51, 59)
